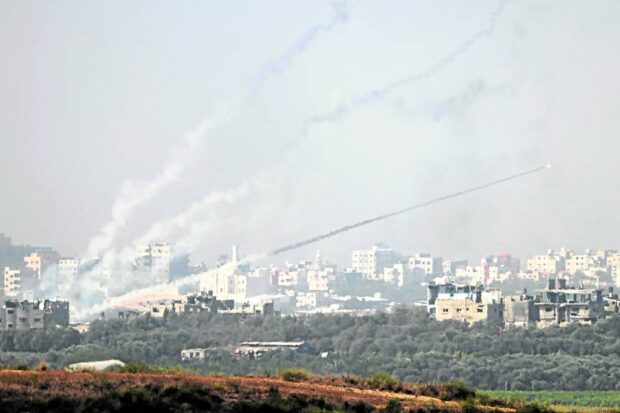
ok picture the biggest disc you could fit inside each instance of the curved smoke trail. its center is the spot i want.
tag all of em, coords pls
(371, 96)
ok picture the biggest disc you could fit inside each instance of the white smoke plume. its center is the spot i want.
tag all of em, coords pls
(169, 290)
(159, 291)
(372, 96)
(135, 194)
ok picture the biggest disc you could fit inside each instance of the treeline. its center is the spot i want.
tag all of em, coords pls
(406, 343)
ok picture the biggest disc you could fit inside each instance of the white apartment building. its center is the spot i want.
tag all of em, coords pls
(545, 264)
(12, 282)
(293, 278)
(68, 267)
(39, 261)
(472, 274)
(318, 280)
(257, 283)
(427, 263)
(222, 283)
(579, 263)
(155, 259)
(613, 263)
(372, 262)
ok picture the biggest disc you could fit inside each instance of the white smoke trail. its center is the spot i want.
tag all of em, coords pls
(135, 194)
(171, 289)
(374, 95)
(119, 262)
(340, 16)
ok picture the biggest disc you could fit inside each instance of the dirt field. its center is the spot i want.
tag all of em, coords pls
(84, 388)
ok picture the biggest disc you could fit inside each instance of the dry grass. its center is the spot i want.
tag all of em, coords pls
(82, 391)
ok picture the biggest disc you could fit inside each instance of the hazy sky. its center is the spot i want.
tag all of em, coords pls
(324, 113)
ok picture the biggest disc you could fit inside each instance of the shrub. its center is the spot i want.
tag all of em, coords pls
(296, 374)
(384, 381)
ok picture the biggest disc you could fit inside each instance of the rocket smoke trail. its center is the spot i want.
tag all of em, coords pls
(165, 288)
(349, 227)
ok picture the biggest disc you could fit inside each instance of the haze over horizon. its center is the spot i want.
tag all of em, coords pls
(122, 119)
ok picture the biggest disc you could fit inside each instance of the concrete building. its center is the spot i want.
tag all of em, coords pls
(39, 261)
(25, 315)
(546, 264)
(469, 310)
(427, 263)
(318, 280)
(293, 277)
(613, 265)
(519, 311)
(11, 282)
(194, 354)
(466, 303)
(579, 263)
(559, 304)
(372, 262)
(449, 267)
(68, 268)
(400, 275)
(254, 350)
(162, 262)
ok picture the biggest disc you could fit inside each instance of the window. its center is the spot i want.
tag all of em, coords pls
(444, 310)
(23, 319)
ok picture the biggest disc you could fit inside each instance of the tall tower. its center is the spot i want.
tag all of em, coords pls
(235, 255)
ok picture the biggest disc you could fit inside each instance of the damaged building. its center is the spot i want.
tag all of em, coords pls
(26, 315)
(464, 303)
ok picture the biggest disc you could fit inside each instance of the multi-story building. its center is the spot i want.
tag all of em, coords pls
(318, 280)
(427, 263)
(519, 311)
(11, 282)
(68, 267)
(559, 304)
(39, 261)
(546, 264)
(372, 262)
(449, 267)
(162, 261)
(293, 277)
(579, 263)
(399, 275)
(25, 315)
(613, 265)
(464, 303)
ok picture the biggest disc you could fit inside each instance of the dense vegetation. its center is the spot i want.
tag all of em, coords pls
(405, 343)
(597, 399)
